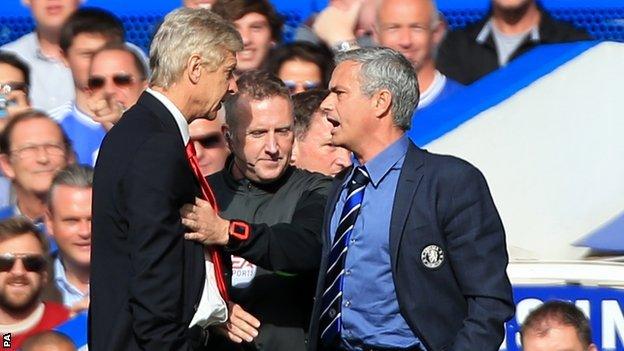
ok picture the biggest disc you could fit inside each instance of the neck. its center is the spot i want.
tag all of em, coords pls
(180, 98)
(81, 101)
(77, 275)
(14, 317)
(376, 143)
(31, 205)
(426, 74)
(518, 20)
(49, 43)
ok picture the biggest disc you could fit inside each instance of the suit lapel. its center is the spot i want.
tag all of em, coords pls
(332, 199)
(409, 179)
(165, 117)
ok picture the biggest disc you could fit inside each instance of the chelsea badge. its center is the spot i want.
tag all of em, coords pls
(432, 256)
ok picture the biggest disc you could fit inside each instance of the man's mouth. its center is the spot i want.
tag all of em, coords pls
(246, 54)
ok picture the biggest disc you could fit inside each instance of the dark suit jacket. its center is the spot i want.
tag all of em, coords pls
(462, 304)
(146, 280)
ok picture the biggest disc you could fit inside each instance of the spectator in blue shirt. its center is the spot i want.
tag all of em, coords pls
(68, 221)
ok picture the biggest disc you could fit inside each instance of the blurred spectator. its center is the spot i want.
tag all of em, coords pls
(84, 33)
(14, 84)
(512, 28)
(414, 28)
(14, 73)
(33, 148)
(68, 221)
(210, 145)
(557, 325)
(301, 66)
(23, 275)
(356, 19)
(313, 149)
(204, 4)
(48, 341)
(50, 79)
(259, 26)
(283, 206)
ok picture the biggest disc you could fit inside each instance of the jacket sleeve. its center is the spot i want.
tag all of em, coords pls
(155, 239)
(292, 247)
(476, 245)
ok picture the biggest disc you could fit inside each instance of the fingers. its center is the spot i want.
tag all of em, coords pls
(240, 332)
(238, 312)
(194, 236)
(188, 211)
(202, 203)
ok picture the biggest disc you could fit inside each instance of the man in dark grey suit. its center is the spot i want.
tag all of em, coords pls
(414, 253)
(149, 284)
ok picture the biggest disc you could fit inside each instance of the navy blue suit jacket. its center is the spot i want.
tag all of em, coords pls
(463, 303)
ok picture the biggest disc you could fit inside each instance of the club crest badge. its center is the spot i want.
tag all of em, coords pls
(432, 256)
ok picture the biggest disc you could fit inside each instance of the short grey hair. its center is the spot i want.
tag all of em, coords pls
(384, 68)
(185, 32)
(76, 176)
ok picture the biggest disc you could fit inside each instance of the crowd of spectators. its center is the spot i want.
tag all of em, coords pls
(69, 82)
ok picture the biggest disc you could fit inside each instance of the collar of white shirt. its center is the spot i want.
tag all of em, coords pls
(175, 111)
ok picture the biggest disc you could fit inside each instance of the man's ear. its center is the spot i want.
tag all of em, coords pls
(295, 152)
(382, 103)
(6, 167)
(48, 221)
(439, 31)
(193, 68)
(227, 134)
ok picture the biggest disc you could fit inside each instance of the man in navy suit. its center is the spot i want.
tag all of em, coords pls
(414, 250)
(150, 288)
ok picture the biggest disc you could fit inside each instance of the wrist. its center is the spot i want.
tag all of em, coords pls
(345, 45)
(238, 230)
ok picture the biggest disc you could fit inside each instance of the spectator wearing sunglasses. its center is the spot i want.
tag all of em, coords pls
(68, 221)
(301, 66)
(23, 277)
(33, 148)
(84, 33)
(212, 149)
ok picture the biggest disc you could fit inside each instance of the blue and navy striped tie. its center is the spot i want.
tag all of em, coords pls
(330, 322)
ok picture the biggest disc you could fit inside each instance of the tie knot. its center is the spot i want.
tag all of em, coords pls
(360, 176)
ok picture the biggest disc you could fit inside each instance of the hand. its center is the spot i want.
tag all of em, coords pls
(337, 22)
(205, 224)
(79, 306)
(241, 326)
(105, 108)
(20, 103)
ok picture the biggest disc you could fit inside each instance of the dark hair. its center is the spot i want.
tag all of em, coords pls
(46, 338)
(93, 21)
(11, 59)
(320, 55)
(257, 85)
(233, 10)
(20, 225)
(139, 63)
(305, 105)
(560, 312)
(5, 136)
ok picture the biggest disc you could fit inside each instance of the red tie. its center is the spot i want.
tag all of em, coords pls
(208, 195)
